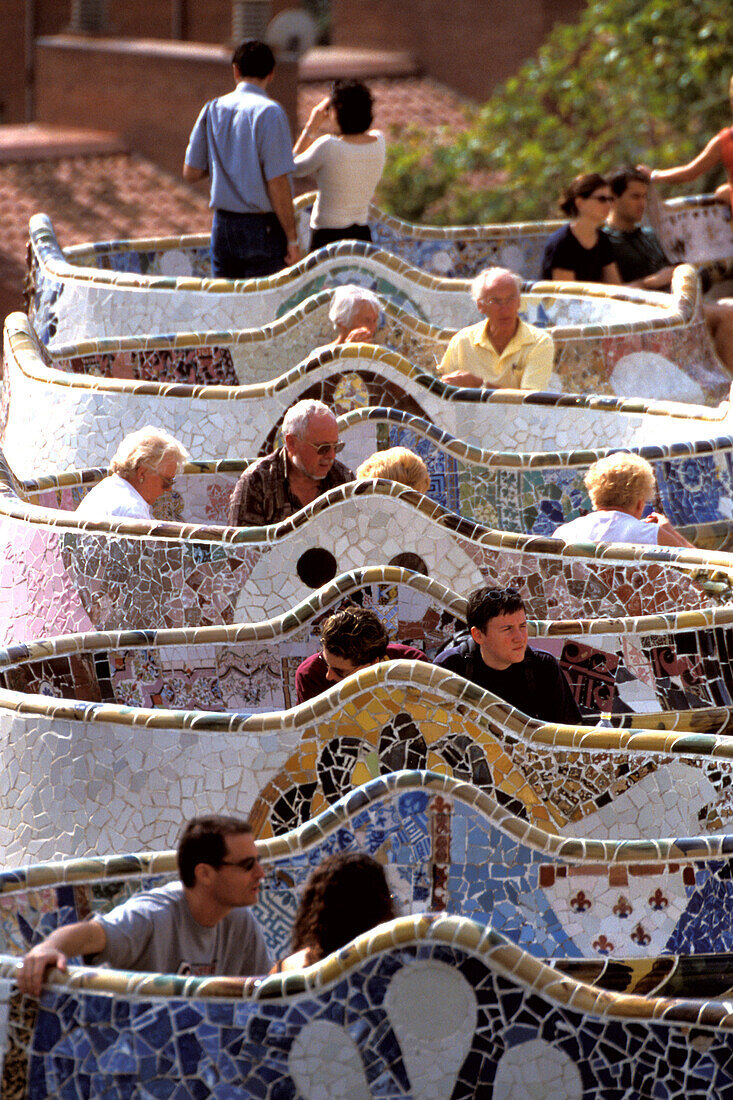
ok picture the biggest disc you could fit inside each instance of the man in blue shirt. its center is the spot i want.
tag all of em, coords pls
(242, 142)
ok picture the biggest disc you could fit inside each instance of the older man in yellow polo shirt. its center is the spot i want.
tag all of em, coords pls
(502, 351)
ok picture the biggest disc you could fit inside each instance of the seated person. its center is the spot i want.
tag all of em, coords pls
(281, 483)
(619, 486)
(354, 313)
(497, 658)
(346, 895)
(197, 926)
(579, 251)
(502, 351)
(350, 639)
(396, 464)
(142, 469)
(641, 259)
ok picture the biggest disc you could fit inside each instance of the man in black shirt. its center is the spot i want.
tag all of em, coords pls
(641, 260)
(497, 658)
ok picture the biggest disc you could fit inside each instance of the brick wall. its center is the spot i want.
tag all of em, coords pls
(149, 92)
(468, 45)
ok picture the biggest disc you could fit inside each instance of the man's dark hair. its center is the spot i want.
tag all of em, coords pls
(253, 58)
(203, 840)
(356, 634)
(347, 894)
(620, 179)
(486, 603)
(352, 102)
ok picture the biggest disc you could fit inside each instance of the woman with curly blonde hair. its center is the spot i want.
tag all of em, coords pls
(396, 464)
(619, 486)
(347, 894)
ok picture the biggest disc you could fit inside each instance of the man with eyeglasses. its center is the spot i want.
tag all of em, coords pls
(281, 483)
(502, 352)
(496, 657)
(142, 468)
(198, 926)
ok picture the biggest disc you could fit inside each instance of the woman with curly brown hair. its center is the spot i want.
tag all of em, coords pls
(347, 894)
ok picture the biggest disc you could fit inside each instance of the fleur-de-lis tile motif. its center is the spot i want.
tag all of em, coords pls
(580, 903)
(658, 900)
(640, 936)
(603, 945)
(623, 907)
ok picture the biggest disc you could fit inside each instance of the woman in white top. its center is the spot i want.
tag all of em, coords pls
(620, 486)
(142, 468)
(347, 165)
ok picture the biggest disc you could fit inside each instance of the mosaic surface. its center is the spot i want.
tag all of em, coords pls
(61, 574)
(108, 740)
(424, 1006)
(447, 847)
(693, 230)
(83, 414)
(70, 303)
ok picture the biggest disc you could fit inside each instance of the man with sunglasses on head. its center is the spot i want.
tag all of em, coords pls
(496, 657)
(281, 483)
(198, 926)
(351, 639)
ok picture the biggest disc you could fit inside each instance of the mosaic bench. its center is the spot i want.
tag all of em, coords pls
(431, 1006)
(53, 419)
(69, 301)
(106, 740)
(528, 491)
(693, 230)
(61, 574)
(447, 847)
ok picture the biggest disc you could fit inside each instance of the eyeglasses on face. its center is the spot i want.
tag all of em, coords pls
(245, 864)
(323, 449)
(166, 482)
(602, 198)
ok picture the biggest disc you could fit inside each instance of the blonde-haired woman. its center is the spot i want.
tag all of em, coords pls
(620, 485)
(396, 464)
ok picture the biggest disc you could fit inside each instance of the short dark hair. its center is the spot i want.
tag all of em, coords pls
(203, 840)
(582, 187)
(620, 179)
(486, 603)
(352, 101)
(347, 894)
(356, 634)
(253, 58)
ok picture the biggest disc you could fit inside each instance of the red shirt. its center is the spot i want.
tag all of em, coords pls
(310, 678)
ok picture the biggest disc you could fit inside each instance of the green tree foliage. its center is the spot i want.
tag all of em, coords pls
(633, 81)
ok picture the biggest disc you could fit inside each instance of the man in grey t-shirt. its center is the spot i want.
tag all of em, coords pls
(197, 926)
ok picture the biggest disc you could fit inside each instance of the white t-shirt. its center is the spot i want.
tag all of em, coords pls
(114, 497)
(347, 174)
(607, 526)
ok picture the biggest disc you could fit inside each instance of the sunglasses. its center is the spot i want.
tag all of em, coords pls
(245, 864)
(323, 449)
(502, 593)
(602, 198)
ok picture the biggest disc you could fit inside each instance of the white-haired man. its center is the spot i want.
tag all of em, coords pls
(502, 351)
(281, 483)
(142, 468)
(354, 313)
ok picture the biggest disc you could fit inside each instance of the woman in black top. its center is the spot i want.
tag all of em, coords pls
(579, 252)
